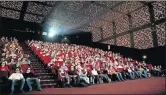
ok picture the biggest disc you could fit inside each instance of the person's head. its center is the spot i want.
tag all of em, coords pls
(158, 66)
(17, 64)
(17, 70)
(85, 70)
(28, 70)
(12, 60)
(72, 68)
(3, 63)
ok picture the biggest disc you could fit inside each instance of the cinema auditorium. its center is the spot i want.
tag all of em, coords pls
(82, 47)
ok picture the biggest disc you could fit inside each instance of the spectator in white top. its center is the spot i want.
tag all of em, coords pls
(95, 76)
(15, 77)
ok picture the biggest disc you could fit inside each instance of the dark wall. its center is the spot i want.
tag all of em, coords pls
(155, 55)
(17, 28)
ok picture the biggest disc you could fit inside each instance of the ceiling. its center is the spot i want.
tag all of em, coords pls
(69, 15)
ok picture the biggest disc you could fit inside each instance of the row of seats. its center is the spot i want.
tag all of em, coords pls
(59, 54)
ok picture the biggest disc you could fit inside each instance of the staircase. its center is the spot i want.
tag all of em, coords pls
(47, 79)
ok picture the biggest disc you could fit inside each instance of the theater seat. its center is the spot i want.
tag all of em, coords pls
(24, 67)
(4, 74)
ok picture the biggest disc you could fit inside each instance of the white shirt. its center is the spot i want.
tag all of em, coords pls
(129, 70)
(16, 76)
(94, 72)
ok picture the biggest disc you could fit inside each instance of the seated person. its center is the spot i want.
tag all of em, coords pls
(64, 76)
(131, 72)
(104, 75)
(142, 71)
(12, 62)
(83, 76)
(72, 74)
(112, 71)
(101, 76)
(56, 68)
(94, 76)
(147, 70)
(29, 76)
(3, 67)
(17, 76)
(64, 67)
(120, 68)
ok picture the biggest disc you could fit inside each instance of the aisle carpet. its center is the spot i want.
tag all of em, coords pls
(154, 85)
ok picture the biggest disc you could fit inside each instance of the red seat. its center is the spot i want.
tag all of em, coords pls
(24, 67)
(149, 66)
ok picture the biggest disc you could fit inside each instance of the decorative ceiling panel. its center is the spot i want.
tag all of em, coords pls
(143, 39)
(85, 28)
(97, 23)
(107, 29)
(9, 14)
(111, 16)
(122, 24)
(159, 9)
(33, 18)
(72, 5)
(94, 10)
(111, 42)
(123, 40)
(17, 5)
(109, 4)
(161, 34)
(38, 8)
(96, 34)
(76, 18)
(128, 6)
(61, 15)
(140, 17)
(48, 2)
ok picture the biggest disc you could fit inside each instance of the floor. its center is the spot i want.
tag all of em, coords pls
(154, 85)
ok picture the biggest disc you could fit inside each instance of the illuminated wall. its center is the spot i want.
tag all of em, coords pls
(135, 31)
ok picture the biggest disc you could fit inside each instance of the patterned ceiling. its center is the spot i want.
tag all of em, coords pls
(79, 15)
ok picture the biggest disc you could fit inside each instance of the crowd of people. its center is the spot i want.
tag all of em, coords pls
(16, 63)
(74, 63)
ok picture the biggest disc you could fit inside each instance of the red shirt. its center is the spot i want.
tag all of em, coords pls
(5, 68)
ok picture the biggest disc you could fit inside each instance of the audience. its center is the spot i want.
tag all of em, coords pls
(71, 62)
